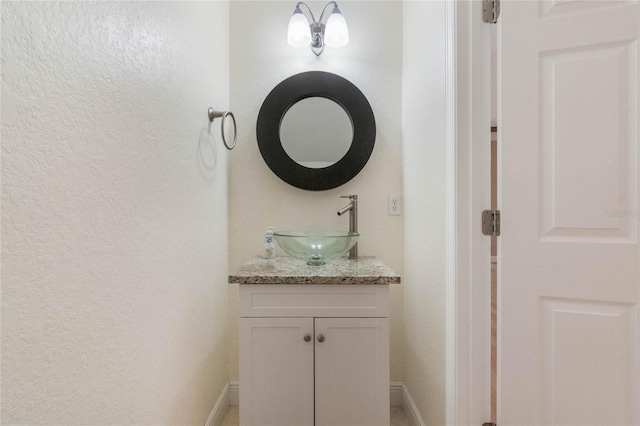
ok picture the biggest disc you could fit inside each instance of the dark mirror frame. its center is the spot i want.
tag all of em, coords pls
(306, 85)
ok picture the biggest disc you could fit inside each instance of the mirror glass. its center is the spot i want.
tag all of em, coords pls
(316, 132)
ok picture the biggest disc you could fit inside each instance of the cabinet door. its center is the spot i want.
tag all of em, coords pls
(276, 371)
(352, 371)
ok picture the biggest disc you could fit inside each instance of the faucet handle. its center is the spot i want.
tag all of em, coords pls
(351, 197)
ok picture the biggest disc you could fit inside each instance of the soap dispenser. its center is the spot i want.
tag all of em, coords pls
(269, 248)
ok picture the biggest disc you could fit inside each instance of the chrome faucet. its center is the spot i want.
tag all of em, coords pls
(352, 208)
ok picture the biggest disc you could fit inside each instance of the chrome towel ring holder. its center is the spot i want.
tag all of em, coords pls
(216, 114)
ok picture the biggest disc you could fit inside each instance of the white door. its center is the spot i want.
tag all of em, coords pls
(352, 371)
(569, 259)
(276, 371)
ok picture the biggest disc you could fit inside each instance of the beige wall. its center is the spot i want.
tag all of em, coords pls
(114, 212)
(259, 59)
(423, 126)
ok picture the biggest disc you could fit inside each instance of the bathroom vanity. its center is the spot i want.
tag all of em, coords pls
(314, 342)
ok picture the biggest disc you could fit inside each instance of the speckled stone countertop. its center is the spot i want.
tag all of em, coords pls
(289, 270)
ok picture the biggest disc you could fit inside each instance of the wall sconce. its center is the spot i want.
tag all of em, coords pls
(309, 32)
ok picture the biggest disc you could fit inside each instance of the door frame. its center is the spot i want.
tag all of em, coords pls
(468, 192)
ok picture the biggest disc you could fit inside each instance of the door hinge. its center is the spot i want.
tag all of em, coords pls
(490, 11)
(491, 222)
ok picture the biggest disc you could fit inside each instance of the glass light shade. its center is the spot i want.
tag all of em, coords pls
(299, 32)
(336, 33)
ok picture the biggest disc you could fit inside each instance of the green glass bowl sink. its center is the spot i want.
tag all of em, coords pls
(316, 247)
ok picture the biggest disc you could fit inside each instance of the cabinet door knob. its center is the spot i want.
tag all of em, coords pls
(320, 338)
(307, 337)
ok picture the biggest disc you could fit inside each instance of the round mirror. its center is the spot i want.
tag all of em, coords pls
(316, 132)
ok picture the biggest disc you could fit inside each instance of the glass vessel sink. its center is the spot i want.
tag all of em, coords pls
(316, 247)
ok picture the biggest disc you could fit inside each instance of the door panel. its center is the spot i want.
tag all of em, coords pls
(276, 364)
(569, 259)
(580, 176)
(587, 346)
(352, 372)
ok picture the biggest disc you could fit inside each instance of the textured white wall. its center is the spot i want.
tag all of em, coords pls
(259, 59)
(423, 107)
(114, 212)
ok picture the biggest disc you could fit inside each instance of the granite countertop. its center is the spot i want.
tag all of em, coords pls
(289, 270)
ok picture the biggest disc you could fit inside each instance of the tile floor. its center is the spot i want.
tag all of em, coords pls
(398, 418)
(232, 418)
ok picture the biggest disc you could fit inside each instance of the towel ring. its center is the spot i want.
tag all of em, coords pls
(216, 114)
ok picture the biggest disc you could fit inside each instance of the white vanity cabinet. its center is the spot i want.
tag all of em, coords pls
(352, 371)
(314, 355)
(276, 371)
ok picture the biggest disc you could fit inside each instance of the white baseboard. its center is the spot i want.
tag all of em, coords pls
(234, 392)
(399, 395)
(410, 410)
(220, 409)
(396, 393)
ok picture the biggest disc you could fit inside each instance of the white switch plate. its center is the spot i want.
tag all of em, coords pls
(395, 205)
